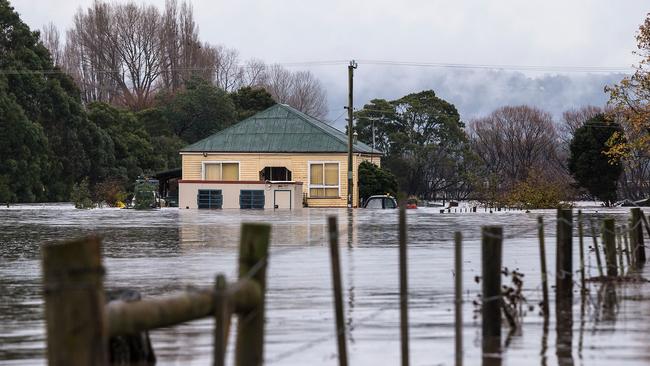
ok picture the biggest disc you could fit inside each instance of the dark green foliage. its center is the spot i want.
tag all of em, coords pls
(47, 139)
(423, 139)
(144, 194)
(198, 111)
(588, 163)
(249, 101)
(375, 180)
(80, 195)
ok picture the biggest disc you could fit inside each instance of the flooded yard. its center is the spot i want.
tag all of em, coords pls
(156, 252)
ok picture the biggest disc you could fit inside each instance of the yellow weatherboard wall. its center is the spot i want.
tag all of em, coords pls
(250, 165)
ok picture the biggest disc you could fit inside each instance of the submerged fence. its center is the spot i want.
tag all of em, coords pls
(80, 324)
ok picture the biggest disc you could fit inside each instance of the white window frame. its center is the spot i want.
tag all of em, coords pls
(203, 163)
(310, 186)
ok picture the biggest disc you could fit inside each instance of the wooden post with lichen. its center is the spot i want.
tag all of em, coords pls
(609, 242)
(253, 256)
(74, 303)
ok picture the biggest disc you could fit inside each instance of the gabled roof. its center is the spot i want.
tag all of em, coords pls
(279, 128)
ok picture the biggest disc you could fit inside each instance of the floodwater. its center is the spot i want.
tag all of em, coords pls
(156, 252)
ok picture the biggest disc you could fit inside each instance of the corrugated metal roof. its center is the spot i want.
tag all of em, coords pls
(280, 128)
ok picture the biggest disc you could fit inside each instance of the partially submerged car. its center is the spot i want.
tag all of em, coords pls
(380, 201)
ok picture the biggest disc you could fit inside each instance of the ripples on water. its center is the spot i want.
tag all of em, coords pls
(159, 251)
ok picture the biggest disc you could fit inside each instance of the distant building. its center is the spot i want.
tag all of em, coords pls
(278, 158)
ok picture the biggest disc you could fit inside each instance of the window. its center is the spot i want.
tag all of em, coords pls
(249, 198)
(324, 180)
(220, 171)
(389, 203)
(277, 173)
(209, 198)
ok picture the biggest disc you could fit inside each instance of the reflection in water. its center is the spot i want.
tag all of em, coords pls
(542, 352)
(564, 327)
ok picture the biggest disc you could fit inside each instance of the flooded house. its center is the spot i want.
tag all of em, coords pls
(278, 158)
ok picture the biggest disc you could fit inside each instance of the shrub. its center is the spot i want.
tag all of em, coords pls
(81, 195)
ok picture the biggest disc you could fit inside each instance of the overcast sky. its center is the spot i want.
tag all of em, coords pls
(548, 33)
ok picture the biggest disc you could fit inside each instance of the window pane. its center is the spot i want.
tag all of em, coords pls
(212, 172)
(316, 192)
(331, 192)
(230, 171)
(316, 173)
(389, 203)
(332, 174)
(374, 203)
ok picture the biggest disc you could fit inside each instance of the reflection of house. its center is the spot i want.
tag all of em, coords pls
(272, 159)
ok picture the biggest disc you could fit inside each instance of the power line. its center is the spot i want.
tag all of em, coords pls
(387, 63)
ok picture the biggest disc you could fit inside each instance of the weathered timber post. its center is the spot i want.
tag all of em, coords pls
(458, 311)
(582, 251)
(74, 303)
(637, 237)
(564, 286)
(627, 247)
(619, 249)
(253, 256)
(222, 315)
(542, 256)
(338, 290)
(403, 288)
(596, 249)
(491, 253)
(609, 241)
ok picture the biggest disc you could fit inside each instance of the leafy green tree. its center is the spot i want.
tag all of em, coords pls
(249, 101)
(198, 111)
(588, 162)
(44, 108)
(423, 139)
(134, 152)
(375, 180)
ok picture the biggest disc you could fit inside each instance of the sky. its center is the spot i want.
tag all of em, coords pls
(560, 38)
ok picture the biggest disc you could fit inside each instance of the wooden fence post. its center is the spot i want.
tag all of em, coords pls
(564, 286)
(458, 267)
(491, 254)
(596, 249)
(637, 237)
(403, 287)
(609, 241)
(338, 290)
(582, 251)
(542, 256)
(253, 256)
(74, 303)
(222, 314)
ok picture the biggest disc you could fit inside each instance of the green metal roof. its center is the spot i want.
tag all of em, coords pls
(280, 128)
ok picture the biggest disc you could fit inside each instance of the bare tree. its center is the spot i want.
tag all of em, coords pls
(512, 141)
(300, 90)
(228, 72)
(575, 118)
(51, 39)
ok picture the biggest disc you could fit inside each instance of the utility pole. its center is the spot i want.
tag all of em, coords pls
(351, 67)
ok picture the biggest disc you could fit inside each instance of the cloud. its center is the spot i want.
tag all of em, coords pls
(475, 93)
